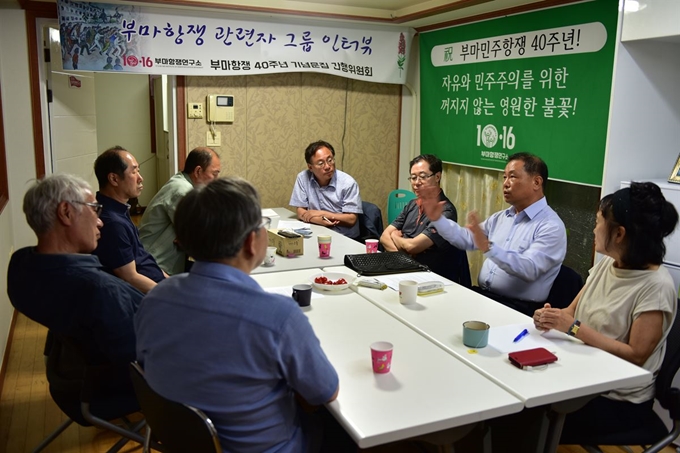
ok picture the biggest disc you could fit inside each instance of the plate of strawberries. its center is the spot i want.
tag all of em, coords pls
(331, 281)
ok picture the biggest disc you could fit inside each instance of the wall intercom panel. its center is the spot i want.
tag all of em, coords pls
(220, 108)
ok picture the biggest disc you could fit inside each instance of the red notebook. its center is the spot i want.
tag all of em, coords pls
(532, 357)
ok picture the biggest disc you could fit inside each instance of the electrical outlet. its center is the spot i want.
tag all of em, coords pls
(213, 141)
(195, 110)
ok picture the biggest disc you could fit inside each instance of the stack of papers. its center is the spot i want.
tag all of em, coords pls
(420, 277)
(500, 338)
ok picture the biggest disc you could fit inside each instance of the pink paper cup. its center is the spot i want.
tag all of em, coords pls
(371, 246)
(325, 250)
(381, 356)
(324, 246)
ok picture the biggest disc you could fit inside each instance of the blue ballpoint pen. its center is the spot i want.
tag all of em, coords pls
(521, 335)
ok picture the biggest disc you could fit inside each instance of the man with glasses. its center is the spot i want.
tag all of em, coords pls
(59, 284)
(413, 233)
(214, 339)
(157, 230)
(524, 245)
(327, 196)
(119, 249)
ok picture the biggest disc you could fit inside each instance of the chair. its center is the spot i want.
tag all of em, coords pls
(651, 430)
(90, 395)
(370, 222)
(565, 288)
(396, 201)
(178, 427)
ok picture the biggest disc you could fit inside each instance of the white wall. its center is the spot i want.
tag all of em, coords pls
(410, 115)
(123, 118)
(14, 78)
(74, 125)
(645, 118)
(656, 19)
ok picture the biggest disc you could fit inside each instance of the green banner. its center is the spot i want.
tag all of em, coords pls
(537, 82)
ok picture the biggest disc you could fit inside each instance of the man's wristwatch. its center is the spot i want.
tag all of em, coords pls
(573, 330)
(489, 248)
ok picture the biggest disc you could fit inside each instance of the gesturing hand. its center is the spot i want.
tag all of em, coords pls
(478, 236)
(429, 200)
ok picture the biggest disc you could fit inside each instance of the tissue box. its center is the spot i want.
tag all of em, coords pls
(286, 246)
(273, 216)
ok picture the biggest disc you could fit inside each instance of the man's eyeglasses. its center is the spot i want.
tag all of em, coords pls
(96, 207)
(322, 163)
(266, 223)
(420, 177)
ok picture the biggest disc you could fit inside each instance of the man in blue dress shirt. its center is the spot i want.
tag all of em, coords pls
(524, 245)
(327, 196)
(214, 339)
(120, 249)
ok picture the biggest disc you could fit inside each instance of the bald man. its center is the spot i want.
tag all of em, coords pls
(157, 229)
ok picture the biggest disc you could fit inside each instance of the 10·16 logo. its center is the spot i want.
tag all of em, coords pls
(133, 61)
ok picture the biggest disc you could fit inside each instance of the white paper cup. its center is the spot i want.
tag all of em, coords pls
(270, 257)
(324, 246)
(408, 291)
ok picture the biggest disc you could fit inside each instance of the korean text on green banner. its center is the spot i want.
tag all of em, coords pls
(141, 39)
(537, 82)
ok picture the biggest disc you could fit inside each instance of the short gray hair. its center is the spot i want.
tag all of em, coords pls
(212, 221)
(41, 199)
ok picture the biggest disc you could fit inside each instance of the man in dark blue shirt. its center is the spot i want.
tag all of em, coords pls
(413, 233)
(120, 249)
(74, 297)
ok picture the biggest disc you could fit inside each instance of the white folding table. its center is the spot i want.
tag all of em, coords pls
(340, 246)
(580, 371)
(427, 389)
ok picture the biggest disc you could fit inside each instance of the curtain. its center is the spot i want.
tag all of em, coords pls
(471, 189)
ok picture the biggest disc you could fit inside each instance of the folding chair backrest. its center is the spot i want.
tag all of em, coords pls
(177, 427)
(370, 222)
(565, 288)
(670, 365)
(396, 201)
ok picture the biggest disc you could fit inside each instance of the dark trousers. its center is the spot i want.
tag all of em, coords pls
(520, 432)
(324, 434)
(522, 306)
(603, 417)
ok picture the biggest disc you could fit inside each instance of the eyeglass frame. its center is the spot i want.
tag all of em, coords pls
(266, 223)
(98, 207)
(421, 177)
(322, 163)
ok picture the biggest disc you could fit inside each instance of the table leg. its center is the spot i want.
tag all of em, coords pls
(557, 414)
